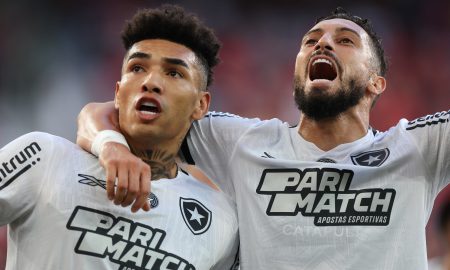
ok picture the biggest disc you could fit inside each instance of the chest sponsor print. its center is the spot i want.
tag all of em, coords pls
(324, 194)
(130, 244)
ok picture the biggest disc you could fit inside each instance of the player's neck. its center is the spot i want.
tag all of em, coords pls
(329, 133)
(162, 162)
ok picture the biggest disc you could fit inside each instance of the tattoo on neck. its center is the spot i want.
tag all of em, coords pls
(162, 163)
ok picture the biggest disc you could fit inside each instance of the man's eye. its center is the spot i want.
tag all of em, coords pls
(310, 41)
(175, 74)
(136, 68)
(346, 41)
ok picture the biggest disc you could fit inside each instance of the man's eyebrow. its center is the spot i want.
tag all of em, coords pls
(317, 30)
(173, 61)
(346, 29)
(314, 31)
(139, 55)
(176, 61)
(340, 29)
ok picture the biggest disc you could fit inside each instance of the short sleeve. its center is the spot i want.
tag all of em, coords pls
(431, 135)
(211, 142)
(23, 166)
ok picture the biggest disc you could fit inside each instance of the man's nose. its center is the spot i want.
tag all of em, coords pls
(153, 82)
(324, 43)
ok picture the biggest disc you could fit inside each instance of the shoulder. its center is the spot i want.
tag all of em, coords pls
(234, 121)
(201, 185)
(196, 180)
(419, 123)
(41, 137)
(41, 142)
(418, 130)
(394, 135)
(427, 120)
(274, 124)
(230, 118)
(32, 140)
(269, 130)
(31, 152)
(225, 119)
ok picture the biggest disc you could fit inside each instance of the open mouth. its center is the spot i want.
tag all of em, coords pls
(149, 107)
(322, 68)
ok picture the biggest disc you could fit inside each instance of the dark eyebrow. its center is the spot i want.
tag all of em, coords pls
(139, 55)
(346, 29)
(317, 30)
(176, 61)
(173, 61)
(341, 29)
(313, 31)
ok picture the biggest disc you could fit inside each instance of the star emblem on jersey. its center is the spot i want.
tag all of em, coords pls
(196, 216)
(371, 158)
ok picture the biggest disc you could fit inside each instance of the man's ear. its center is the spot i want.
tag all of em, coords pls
(116, 96)
(202, 105)
(377, 84)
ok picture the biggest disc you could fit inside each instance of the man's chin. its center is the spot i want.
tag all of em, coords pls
(326, 100)
(141, 132)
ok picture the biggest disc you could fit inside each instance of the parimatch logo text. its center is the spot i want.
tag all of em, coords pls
(325, 195)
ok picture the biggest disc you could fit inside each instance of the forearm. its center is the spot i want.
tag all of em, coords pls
(127, 177)
(93, 118)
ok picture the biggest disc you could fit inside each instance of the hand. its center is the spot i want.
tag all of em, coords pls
(132, 174)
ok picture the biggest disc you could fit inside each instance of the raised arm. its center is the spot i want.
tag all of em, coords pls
(95, 123)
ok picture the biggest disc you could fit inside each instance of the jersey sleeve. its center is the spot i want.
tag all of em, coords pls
(23, 166)
(431, 135)
(211, 142)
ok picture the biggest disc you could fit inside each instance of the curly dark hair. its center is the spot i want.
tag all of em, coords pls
(340, 13)
(173, 23)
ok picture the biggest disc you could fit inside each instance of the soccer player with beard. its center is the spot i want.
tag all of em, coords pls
(52, 192)
(330, 193)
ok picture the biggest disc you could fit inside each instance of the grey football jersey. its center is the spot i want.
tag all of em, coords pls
(53, 198)
(361, 205)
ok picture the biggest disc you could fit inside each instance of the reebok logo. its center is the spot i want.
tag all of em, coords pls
(93, 182)
(325, 195)
(11, 169)
(267, 155)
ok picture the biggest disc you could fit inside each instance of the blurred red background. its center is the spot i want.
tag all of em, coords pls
(58, 55)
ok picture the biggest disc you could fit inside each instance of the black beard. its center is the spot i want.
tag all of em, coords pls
(319, 105)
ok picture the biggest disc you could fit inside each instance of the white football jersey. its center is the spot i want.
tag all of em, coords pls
(53, 198)
(362, 205)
